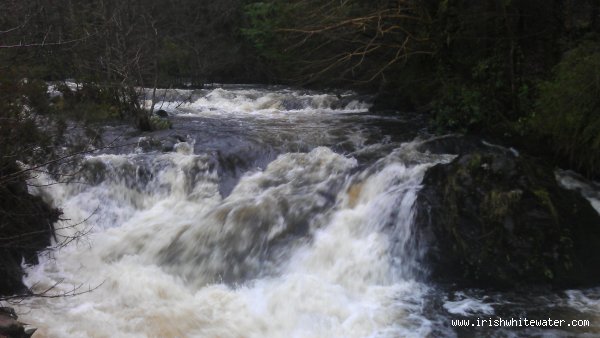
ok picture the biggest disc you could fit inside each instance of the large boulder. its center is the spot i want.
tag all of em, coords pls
(494, 218)
(26, 227)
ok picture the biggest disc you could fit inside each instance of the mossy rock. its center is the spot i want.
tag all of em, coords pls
(493, 219)
(159, 123)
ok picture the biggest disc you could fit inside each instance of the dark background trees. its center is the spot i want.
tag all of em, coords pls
(182, 41)
(477, 66)
(511, 70)
(113, 48)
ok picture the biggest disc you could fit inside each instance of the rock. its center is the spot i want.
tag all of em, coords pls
(492, 219)
(148, 144)
(178, 138)
(167, 145)
(162, 113)
(159, 123)
(451, 144)
(386, 100)
(94, 171)
(10, 327)
(293, 104)
(8, 312)
(26, 225)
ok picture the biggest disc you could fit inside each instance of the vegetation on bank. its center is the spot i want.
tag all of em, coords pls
(112, 48)
(521, 71)
(109, 49)
(568, 107)
(525, 72)
(26, 221)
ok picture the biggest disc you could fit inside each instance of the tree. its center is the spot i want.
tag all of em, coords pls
(353, 40)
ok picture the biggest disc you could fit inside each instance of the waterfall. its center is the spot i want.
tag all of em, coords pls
(280, 213)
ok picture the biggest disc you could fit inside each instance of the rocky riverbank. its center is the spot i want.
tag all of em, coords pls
(10, 327)
(26, 227)
(496, 218)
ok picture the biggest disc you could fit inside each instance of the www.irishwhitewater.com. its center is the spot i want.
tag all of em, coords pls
(520, 322)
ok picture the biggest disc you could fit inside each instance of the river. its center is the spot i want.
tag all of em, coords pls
(263, 212)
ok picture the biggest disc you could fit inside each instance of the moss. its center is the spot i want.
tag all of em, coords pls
(474, 162)
(451, 210)
(507, 225)
(158, 123)
(499, 204)
(544, 197)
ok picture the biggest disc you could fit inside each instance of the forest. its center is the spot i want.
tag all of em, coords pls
(521, 73)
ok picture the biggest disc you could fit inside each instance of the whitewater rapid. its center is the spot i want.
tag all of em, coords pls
(296, 249)
(279, 213)
(157, 256)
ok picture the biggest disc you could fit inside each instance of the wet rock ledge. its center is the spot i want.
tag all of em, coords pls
(495, 219)
(26, 228)
(10, 327)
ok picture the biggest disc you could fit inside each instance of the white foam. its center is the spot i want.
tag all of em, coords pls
(468, 306)
(338, 284)
(573, 181)
(258, 103)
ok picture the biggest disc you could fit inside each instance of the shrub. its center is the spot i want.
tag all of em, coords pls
(479, 102)
(568, 108)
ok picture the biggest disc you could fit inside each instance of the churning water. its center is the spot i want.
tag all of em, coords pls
(274, 213)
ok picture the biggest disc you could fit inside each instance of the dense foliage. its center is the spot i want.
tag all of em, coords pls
(482, 67)
(504, 68)
(568, 110)
(133, 41)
